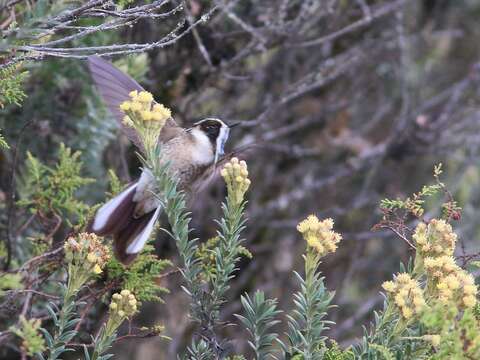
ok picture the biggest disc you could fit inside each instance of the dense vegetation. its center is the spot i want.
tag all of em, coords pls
(345, 109)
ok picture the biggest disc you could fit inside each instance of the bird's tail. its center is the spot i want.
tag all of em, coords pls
(129, 233)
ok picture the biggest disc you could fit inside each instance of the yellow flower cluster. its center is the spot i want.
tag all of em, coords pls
(319, 234)
(439, 267)
(86, 252)
(406, 294)
(142, 110)
(123, 306)
(435, 239)
(432, 339)
(450, 282)
(86, 256)
(235, 174)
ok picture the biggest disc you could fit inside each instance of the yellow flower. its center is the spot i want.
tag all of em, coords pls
(440, 266)
(319, 234)
(469, 301)
(86, 256)
(136, 106)
(444, 300)
(389, 286)
(140, 111)
(446, 294)
(407, 312)
(161, 111)
(442, 286)
(123, 305)
(311, 223)
(235, 175)
(419, 302)
(432, 339)
(125, 106)
(91, 257)
(72, 245)
(450, 283)
(470, 289)
(400, 301)
(147, 115)
(145, 97)
(403, 278)
(87, 247)
(97, 269)
(406, 294)
(435, 239)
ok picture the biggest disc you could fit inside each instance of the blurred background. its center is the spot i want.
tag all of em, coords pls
(342, 103)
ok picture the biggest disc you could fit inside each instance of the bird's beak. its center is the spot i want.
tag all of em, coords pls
(234, 124)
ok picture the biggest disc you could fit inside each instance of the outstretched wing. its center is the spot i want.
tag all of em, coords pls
(213, 171)
(114, 87)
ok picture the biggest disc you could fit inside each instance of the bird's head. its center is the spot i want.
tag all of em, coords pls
(217, 132)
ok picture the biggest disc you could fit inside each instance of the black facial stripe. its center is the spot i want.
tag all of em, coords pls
(211, 129)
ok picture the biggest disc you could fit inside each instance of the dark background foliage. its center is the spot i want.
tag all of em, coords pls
(341, 103)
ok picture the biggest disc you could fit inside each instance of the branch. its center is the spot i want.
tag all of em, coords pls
(375, 15)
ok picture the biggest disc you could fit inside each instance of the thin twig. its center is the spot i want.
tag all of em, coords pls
(376, 14)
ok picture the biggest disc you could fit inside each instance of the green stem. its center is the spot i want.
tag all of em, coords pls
(228, 248)
(311, 265)
(65, 316)
(64, 332)
(104, 340)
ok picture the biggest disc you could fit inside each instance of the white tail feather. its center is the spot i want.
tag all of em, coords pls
(104, 213)
(137, 244)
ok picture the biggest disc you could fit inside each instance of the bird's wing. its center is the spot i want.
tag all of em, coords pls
(211, 172)
(114, 87)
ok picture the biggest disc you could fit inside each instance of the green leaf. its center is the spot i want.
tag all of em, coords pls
(260, 314)
(3, 142)
(11, 85)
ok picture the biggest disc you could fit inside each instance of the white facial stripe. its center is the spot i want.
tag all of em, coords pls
(221, 140)
(203, 152)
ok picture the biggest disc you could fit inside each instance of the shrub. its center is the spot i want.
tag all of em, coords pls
(430, 307)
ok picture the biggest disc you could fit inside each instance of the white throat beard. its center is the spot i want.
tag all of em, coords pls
(221, 140)
(202, 151)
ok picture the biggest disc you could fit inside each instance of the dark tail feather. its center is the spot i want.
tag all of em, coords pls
(123, 238)
(116, 218)
(113, 216)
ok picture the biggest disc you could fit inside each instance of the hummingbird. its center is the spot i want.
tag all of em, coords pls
(192, 152)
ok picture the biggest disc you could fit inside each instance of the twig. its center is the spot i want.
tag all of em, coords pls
(376, 14)
(169, 39)
(35, 292)
(10, 4)
(198, 39)
(25, 224)
(39, 258)
(26, 304)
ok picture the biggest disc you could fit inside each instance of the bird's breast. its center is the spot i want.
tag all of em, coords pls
(188, 158)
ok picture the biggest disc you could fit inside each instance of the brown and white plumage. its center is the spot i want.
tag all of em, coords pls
(131, 215)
